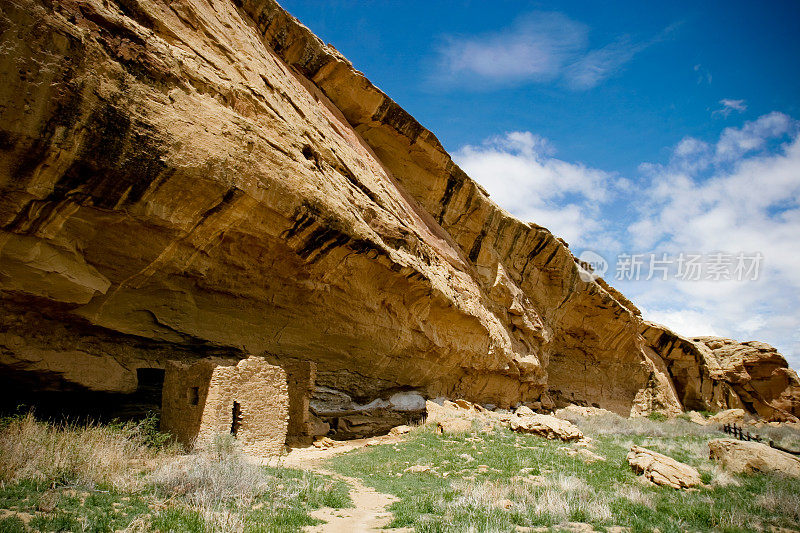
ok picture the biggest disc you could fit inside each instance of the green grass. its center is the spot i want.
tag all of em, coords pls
(521, 480)
(156, 489)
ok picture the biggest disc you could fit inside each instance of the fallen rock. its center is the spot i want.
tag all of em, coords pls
(748, 457)
(728, 416)
(407, 401)
(523, 410)
(463, 404)
(547, 402)
(546, 426)
(417, 469)
(697, 418)
(573, 410)
(400, 430)
(587, 456)
(454, 425)
(662, 470)
(325, 442)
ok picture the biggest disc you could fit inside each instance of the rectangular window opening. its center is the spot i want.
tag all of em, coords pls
(237, 418)
(194, 395)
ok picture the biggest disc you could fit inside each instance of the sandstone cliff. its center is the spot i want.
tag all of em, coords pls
(712, 373)
(188, 178)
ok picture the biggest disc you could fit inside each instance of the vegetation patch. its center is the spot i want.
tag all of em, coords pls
(498, 480)
(128, 477)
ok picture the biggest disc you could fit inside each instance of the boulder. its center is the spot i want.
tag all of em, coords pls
(573, 410)
(455, 425)
(662, 470)
(407, 401)
(523, 410)
(438, 412)
(400, 430)
(463, 404)
(697, 418)
(728, 416)
(586, 455)
(747, 457)
(546, 426)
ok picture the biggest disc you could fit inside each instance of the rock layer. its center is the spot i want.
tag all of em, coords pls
(712, 373)
(188, 178)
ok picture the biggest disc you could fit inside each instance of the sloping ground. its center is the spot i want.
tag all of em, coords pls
(185, 178)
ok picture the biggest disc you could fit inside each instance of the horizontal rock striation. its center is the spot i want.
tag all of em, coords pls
(189, 178)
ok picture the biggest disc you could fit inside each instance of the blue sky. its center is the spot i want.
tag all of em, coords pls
(624, 127)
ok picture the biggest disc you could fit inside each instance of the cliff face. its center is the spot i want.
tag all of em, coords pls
(713, 373)
(188, 178)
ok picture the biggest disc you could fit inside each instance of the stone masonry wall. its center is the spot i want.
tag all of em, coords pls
(198, 403)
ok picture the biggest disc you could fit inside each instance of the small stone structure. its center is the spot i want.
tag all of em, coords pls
(248, 398)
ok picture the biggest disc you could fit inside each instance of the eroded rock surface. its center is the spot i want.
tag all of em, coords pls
(747, 457)
(546, 426)
(183, 178)
(662, 469)
(712, 373)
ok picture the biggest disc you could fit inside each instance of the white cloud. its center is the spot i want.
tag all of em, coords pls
(538, 47)
(534, 48)
(597, 65)
(686, 322)
(521, 175)
(703, 75)
(735, 142)
(729, 105)
(740, 193)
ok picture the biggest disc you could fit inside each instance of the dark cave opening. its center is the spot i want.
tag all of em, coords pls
(51, 398)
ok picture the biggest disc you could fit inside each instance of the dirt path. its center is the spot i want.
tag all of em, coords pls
(369, 511)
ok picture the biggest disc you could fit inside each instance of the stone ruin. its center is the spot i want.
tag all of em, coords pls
(264, 406)
(159, 203)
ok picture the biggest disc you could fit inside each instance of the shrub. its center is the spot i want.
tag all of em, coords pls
(66, 453)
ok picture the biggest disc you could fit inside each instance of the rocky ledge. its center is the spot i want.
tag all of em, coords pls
(187, 178)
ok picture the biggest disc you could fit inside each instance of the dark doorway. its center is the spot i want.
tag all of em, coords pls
(237, 418)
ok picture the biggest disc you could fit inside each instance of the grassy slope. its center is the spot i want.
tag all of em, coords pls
(500, 480)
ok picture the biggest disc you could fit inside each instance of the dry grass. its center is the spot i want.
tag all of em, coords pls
(518, 481)
(612, 424)
(635, 495)
(110, 478)
(781, 502)
(74, 454)
(223, 485)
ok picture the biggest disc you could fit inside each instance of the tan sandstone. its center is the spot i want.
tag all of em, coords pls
(748, 457)
(728, 416)
(662, 470)
(206, 178)
(717, 374)
(546, 426)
